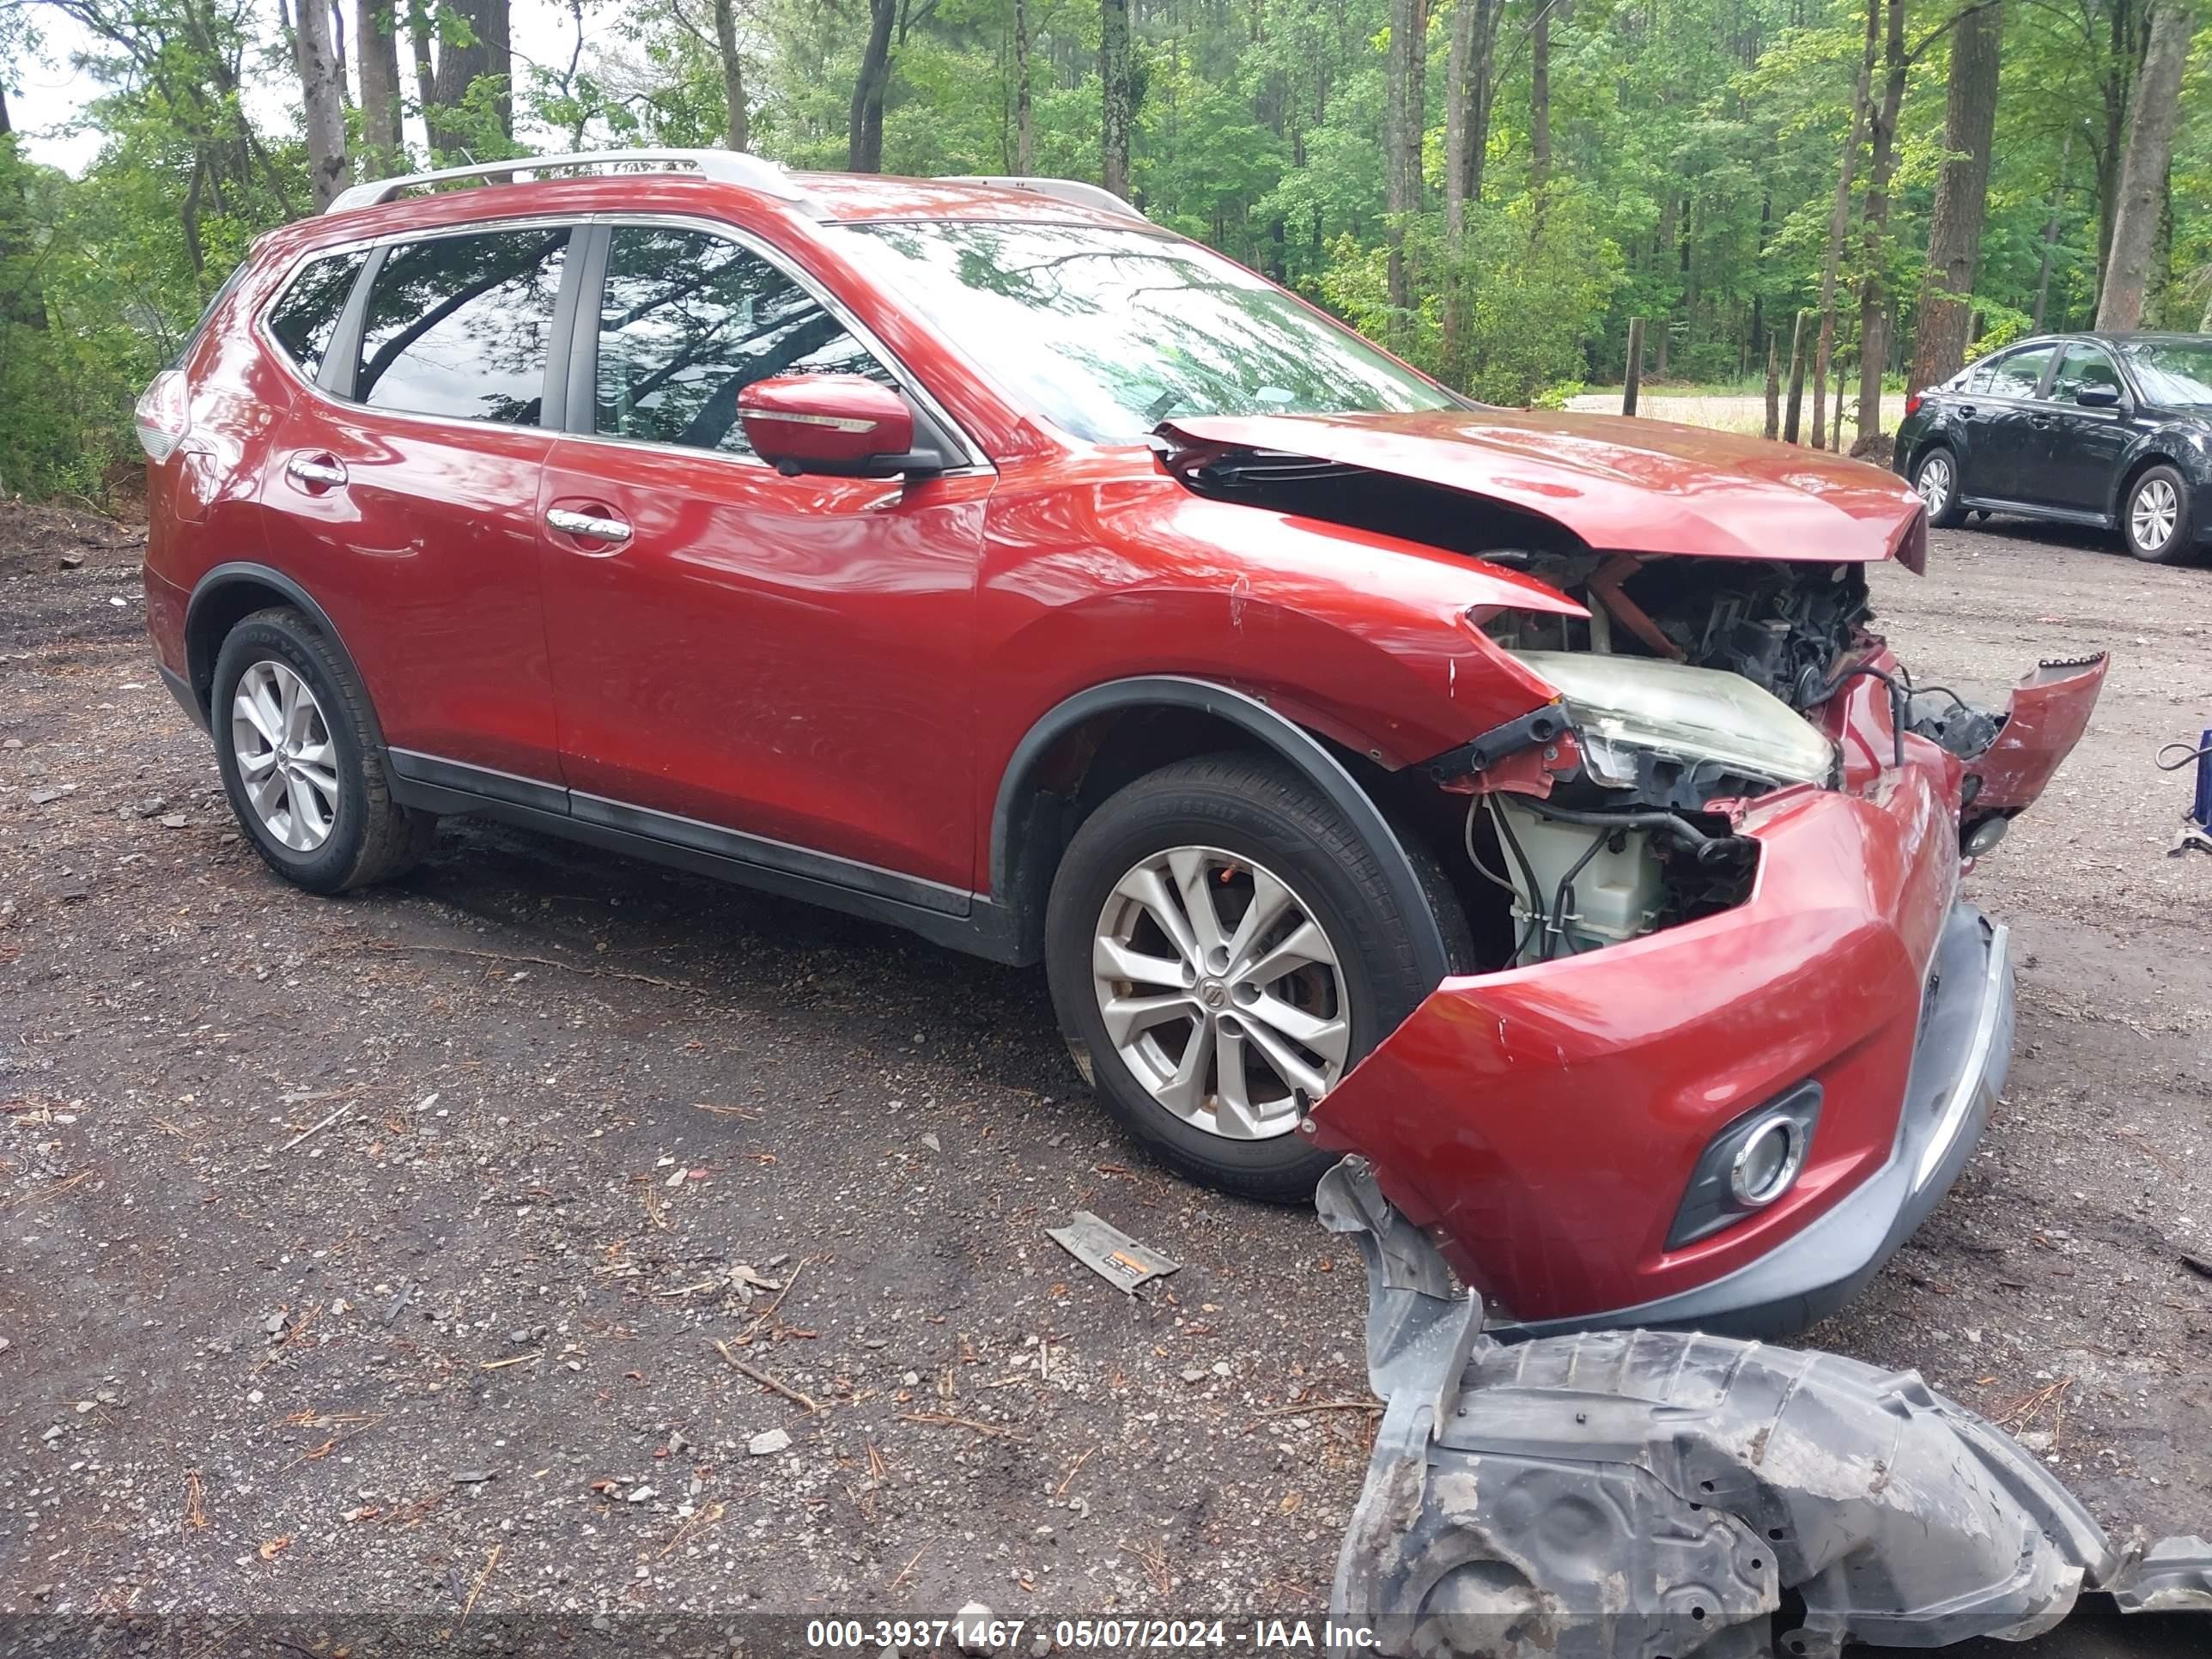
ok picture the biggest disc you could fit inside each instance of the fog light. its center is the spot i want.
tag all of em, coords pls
(1768, 1163)
(1986, 836)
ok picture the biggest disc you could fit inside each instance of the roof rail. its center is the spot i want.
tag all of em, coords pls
(1073, 191)
(728, 167)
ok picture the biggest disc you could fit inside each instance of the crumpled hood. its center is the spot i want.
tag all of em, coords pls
(1621, 484)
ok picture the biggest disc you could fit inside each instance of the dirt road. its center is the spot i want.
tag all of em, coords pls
(399, 1252)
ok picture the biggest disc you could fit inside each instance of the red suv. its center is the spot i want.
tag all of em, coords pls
(1517, 799)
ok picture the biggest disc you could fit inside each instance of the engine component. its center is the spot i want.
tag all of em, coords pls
(1627, 1493)
(1592, 886)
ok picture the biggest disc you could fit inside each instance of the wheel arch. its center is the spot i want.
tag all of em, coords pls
(1091, 743)
(2152, 454)
(229, 593)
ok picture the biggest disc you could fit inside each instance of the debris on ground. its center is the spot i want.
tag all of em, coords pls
(1110, 1253)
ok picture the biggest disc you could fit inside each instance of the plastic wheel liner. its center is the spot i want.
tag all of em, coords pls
(1652, 1495)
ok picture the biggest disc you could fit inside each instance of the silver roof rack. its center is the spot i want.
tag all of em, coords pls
(1073, 191)
(728, 167)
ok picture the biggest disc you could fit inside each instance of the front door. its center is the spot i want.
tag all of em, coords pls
(774, 668)
(2079, 461)
(407, 488)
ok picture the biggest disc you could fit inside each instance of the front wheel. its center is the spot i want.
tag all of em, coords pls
(1222, 948)
(1935, 480)
(2155, 518)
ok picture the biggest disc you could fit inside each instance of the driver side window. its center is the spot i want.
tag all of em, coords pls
(689, 319)
(2085, 366)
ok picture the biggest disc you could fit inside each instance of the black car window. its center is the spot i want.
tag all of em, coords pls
(458, 326)
(2018, 375)
(1978, 380)
(688, 321)
(2083, 366)
(304, 319)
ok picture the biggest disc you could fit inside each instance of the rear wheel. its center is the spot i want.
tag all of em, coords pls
(1935, 480)
(300, 762)
(1222, 949)
(2155, 520)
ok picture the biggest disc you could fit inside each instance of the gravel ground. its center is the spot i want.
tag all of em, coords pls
(549, 1234)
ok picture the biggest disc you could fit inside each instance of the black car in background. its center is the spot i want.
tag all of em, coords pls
(2113, 430)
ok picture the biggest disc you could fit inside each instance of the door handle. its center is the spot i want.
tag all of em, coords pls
(587, 525)
(317, 471)
(2038, 420)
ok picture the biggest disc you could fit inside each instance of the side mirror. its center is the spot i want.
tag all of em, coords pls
(2098, 396)
(845, 425)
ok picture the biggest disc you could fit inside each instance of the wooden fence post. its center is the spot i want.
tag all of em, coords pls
(1634, 383)
(1773, 386)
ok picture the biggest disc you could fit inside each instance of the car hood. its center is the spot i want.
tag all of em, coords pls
(1619, 483)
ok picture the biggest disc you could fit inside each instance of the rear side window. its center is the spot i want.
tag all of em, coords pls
(2018, 375)
(305, 319)
(459, 327)
(688, 321)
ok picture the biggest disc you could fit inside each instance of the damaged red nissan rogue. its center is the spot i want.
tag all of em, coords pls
(1519, 800)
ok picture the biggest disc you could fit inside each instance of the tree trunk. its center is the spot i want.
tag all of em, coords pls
(2051, 228)
(22, 300)
(1024, 119)
(1539, 100)
(1839, 217)
(376, 45)
(2151, 115)
(2120, 56)
(738, 131)
(1468, 79)
(863, 132)
(426, 73)
(1114, 95)
(486, 56)
(323, 93)
(1874, 350)
(1407, 74)
(1962, 194)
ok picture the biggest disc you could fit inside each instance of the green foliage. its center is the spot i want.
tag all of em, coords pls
(1695, 149)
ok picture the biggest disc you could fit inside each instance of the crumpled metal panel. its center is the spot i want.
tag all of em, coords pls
(1636, 1494)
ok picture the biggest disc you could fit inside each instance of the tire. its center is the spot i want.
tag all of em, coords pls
(318, 809)
(2155, 522)
(1224, 822)
(1935, 480)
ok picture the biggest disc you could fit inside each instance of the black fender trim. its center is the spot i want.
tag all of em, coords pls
(1014, 829)
(199, 662)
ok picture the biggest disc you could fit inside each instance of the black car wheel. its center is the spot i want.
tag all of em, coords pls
(1222, 947)
(2155, 517)
(295, 745)
(1936, 480)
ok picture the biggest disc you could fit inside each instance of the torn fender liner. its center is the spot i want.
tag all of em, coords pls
(1628, 1494)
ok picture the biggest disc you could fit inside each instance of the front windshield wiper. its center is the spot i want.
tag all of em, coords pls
(1156, 410)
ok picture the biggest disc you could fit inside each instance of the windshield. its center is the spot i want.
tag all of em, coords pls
(2173, 371)
(1108, 333)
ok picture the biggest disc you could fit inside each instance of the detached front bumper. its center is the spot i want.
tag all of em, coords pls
(1545, 1123)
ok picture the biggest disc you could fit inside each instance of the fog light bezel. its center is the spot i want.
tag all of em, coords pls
(1712, 1200)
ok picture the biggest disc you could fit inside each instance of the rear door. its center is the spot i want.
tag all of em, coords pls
(2004, 442)
(773, 669)
(2080, 459)
(406, 492)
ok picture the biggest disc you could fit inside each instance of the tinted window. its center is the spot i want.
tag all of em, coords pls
(2083, 366)
(1978, 380)
(2018, 375)
(458, 326)
(688, 321)
(306, 318)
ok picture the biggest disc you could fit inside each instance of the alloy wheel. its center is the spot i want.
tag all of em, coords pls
(1220, 992)
(1934, 484)
(286, 761)
(2151, 517)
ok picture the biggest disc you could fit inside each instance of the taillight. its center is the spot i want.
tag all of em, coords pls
(163, 416)
(1913, 403)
